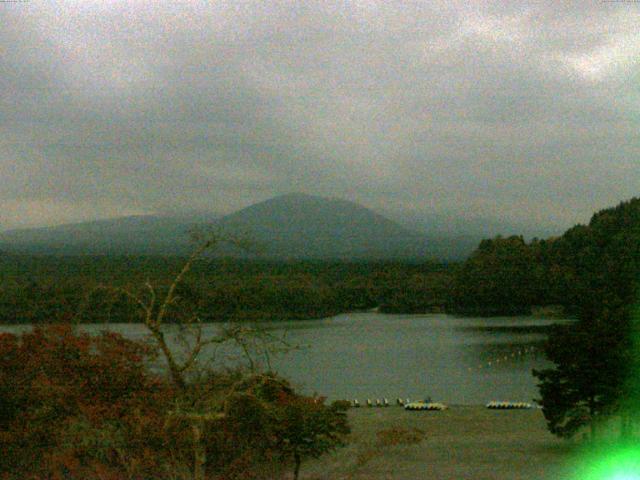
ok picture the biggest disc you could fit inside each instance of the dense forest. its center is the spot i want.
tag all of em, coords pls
(509, 275)
(36, 289)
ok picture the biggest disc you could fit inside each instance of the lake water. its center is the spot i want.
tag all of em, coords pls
(370, 355)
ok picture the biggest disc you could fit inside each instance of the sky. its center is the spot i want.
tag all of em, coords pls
(524, 112)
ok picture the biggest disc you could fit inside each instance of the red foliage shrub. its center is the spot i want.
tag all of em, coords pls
(77, 406)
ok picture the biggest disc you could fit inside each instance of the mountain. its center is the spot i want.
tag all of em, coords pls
(125, 235)
(287, 226)
(308, 226)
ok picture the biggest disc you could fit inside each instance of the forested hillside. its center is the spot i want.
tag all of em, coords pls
(90, 288)
(508, 275)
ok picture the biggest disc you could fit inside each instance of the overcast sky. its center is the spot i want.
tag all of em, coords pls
(517, 111)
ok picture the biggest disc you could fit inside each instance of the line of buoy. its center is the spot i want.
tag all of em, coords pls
(496, 361)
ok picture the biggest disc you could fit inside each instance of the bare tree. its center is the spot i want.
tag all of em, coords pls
(198, 406)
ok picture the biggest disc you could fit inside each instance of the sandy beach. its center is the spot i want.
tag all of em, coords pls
(463, 442)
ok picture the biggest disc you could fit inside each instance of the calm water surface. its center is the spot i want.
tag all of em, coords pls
(371, 355)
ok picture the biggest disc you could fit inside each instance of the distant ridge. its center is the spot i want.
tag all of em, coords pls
(291, 226)
(140, 234)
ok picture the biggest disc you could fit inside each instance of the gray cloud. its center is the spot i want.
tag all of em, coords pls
(522, 111)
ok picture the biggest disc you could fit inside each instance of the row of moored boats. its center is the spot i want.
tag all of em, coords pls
(407, 404)
(382, 403)
(495, 405)
(429, 405)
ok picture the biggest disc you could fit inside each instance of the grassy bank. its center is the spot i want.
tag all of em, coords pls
(465, 442)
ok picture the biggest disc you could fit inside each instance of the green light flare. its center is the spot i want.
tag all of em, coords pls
(606, 461)
(622, 463)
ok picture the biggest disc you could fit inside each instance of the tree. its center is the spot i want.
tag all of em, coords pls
(156, 310)
(499, 278)
(308, 428)
(76, 406)
(96, 411)
(585, 383)
(267, 420)
(213, 404)
(595, 358)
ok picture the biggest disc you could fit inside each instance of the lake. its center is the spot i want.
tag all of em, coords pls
(370, 355)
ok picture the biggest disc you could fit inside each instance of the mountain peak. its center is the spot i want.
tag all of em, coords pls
(293, 225)
(302, 225)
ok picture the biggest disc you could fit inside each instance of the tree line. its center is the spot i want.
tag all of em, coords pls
(46, 289)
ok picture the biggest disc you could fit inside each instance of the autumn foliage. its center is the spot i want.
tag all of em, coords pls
(75, 406)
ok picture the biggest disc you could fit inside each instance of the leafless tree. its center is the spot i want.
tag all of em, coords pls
(160, 307)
